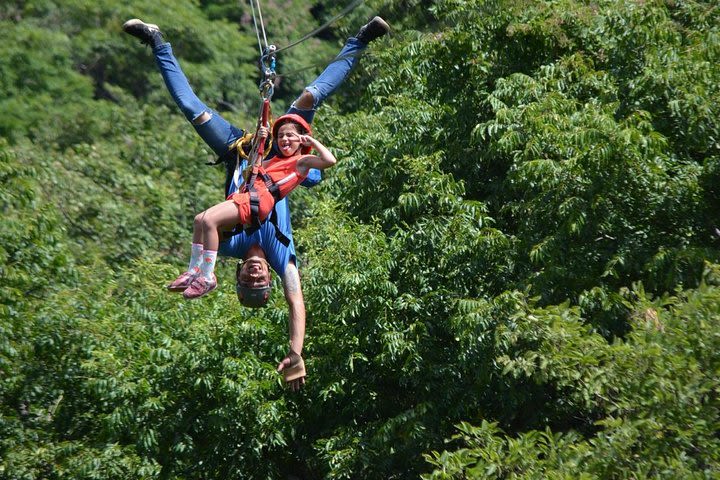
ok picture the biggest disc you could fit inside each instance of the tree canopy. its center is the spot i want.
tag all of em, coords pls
(513, 272)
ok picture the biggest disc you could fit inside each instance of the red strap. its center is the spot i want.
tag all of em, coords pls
(265, 114)
(256, 161)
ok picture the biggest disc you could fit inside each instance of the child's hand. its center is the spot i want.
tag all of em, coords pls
(305, 140)
(263, 132)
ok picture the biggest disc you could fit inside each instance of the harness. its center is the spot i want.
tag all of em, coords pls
(274, 190)
(256, 156)
(236, 153)
(257, 173)
(233, 162)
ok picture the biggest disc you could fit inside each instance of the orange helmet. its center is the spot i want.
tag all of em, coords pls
(292, 117)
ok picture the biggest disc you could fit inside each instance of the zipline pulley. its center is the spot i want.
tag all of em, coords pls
(267, 72)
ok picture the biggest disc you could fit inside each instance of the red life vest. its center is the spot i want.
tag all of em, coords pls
(257, 199)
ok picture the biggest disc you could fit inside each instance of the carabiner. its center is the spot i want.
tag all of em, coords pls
(267, 71)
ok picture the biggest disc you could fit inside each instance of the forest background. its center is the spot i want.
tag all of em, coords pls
(512, 272)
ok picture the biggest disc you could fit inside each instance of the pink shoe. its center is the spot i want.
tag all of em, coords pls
(199, 287)
(182, 282)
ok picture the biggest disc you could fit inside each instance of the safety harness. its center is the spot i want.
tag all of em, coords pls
(238, 152)
(235, 155)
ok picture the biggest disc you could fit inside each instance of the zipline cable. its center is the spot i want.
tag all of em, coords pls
(257, 33)
(347, 10)
(320, 64)
(270, 50)
(267, 72)
(255, 23)
(262, 22)
(267, 55)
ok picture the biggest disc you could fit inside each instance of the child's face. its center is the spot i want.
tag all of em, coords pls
(288, 139)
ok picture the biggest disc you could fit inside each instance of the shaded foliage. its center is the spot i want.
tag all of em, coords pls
(512, 272)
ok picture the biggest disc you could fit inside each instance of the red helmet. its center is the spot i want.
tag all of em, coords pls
(292, 117)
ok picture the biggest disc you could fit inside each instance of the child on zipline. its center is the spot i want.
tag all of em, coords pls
(271, 247)
(292, 135)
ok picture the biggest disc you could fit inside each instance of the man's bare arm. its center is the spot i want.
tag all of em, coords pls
(296, 306)
(296, 322)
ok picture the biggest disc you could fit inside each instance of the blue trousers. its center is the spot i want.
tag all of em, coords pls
(217, 132)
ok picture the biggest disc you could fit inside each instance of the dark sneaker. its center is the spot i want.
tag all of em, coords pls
(148, 33)
(377, 27)
(199, 287)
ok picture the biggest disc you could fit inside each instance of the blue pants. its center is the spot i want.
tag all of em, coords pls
(217, 132)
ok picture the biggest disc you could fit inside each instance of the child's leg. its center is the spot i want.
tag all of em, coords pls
(185, 279)
(217, 132)
(197, 228)
(197, 257)
(223, 216)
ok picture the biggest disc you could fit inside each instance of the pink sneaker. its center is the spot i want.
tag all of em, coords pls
(182, 282)
(199, 287)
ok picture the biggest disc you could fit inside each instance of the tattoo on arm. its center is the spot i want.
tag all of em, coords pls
(292, 280)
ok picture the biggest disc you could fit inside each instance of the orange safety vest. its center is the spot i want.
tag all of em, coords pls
(256, 199)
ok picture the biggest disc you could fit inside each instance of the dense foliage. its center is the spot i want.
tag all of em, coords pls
(513, 272)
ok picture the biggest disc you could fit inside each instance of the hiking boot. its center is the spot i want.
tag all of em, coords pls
(199, 287)
(182, 282)
(148, 33)
(377, 27)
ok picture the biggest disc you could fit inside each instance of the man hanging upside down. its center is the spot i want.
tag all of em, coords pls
(272, 244)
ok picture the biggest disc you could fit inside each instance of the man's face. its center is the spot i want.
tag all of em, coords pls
(254, 273)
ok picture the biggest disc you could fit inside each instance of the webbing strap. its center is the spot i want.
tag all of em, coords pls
(256, 157)
(249, 187)
(254, 208)
(272, 187)
(281, 237)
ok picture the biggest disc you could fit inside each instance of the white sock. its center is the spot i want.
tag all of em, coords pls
(195, 258)
(208, 264)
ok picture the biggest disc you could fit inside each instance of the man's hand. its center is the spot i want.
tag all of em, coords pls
(293, 369)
